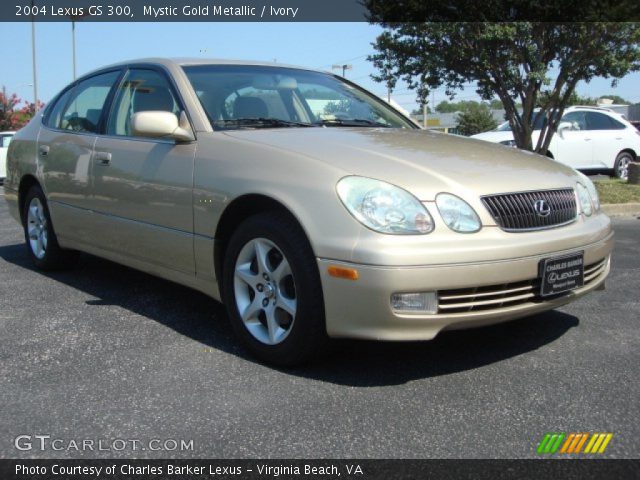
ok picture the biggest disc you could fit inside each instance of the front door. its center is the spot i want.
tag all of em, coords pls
(142, 187)
(573, 146)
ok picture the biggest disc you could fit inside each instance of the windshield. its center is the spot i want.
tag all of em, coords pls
(249, 96)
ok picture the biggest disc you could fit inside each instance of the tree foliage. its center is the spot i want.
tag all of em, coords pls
(517, 62)
(475, 118)
(451, 107)
(618, 100)
(12, 115)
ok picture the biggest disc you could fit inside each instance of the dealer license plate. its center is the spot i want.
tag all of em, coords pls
(561, 274)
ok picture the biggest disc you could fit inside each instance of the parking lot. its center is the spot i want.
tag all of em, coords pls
(106, 352)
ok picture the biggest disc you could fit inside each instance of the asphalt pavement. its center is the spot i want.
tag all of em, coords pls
(104, 353)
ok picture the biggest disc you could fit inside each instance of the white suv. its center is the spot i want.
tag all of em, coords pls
(5, 139)
(588, 138)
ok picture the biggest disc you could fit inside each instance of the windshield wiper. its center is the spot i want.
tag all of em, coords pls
(351, 122)
(261, 122)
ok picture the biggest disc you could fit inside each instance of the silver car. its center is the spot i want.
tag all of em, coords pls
(306, 204)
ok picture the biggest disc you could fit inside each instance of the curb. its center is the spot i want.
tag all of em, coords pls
(621, 209)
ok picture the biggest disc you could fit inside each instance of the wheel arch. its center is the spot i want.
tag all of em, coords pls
(26, 182)
(628, 150)
(237, 212)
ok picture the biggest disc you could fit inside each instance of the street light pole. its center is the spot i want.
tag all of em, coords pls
(73, 47)
(33, 56)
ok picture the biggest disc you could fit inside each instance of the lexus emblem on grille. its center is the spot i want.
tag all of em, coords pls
(542, 208)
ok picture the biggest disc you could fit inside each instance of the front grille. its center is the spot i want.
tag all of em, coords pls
(493, 297)
(515, 212)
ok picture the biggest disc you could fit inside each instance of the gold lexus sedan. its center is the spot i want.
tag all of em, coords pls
(306, 204)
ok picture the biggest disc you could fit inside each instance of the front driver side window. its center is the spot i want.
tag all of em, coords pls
(577, 120)
(141, 91)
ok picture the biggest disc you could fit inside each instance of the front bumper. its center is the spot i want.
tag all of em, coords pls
(362, 308)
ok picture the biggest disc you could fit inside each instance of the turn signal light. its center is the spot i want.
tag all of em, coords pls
(343, 272)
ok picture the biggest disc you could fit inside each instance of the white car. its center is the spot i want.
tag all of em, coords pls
(588, 138)
(5, 140)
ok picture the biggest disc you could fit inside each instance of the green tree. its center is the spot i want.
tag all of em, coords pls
(475, 118)
(496, 104)
(513, 61)
(451, 107)
(418, 111)
(544, 99)
(616, 99)
(446, 107)
(386, 76)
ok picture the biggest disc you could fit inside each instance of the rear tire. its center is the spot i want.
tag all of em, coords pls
(621, 166)
(272, 290)
(40, 237)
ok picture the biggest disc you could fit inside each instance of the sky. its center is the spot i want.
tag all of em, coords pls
(317, 45)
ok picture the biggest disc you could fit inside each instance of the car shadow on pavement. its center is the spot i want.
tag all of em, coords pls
(350, 362)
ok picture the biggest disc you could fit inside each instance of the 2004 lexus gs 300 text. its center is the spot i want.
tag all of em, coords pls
(310, 207)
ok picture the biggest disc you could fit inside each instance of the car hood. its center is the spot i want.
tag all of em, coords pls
(423, 162)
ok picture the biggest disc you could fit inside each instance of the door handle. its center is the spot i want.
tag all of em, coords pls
(103, 158)
(587, 139)
(44, 150)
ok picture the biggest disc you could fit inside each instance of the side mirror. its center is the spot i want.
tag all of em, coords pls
(563, 127)
(158, 124)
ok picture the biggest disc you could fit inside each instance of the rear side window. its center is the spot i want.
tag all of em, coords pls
(80, 108)
(600, 121)
(54, 115)
(141, 90)
(6, 140)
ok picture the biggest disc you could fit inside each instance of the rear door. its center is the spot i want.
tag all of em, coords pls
(65, 146)
(608, 139)
(143, 186)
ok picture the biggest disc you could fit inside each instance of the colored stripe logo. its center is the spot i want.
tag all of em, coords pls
(574, 443)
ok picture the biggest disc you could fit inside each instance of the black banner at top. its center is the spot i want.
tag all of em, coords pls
(385, 11)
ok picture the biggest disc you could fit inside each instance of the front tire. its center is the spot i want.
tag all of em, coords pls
(41, 240)
(272, 290)
(621, 166)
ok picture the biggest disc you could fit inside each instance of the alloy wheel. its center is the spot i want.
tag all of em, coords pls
(623, 167)
(37, 228)
(265, 291)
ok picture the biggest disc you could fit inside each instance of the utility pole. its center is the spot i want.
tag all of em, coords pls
(344, 68)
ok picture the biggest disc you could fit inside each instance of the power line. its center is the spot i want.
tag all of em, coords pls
(345, 61)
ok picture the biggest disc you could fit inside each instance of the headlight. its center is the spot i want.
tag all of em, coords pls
(383, 207)
(508, 143)
(593, 192)
(585, 200)
(457, 214)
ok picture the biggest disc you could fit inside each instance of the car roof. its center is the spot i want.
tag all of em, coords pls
(187, 61)
(7, 132)
(590, 107)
